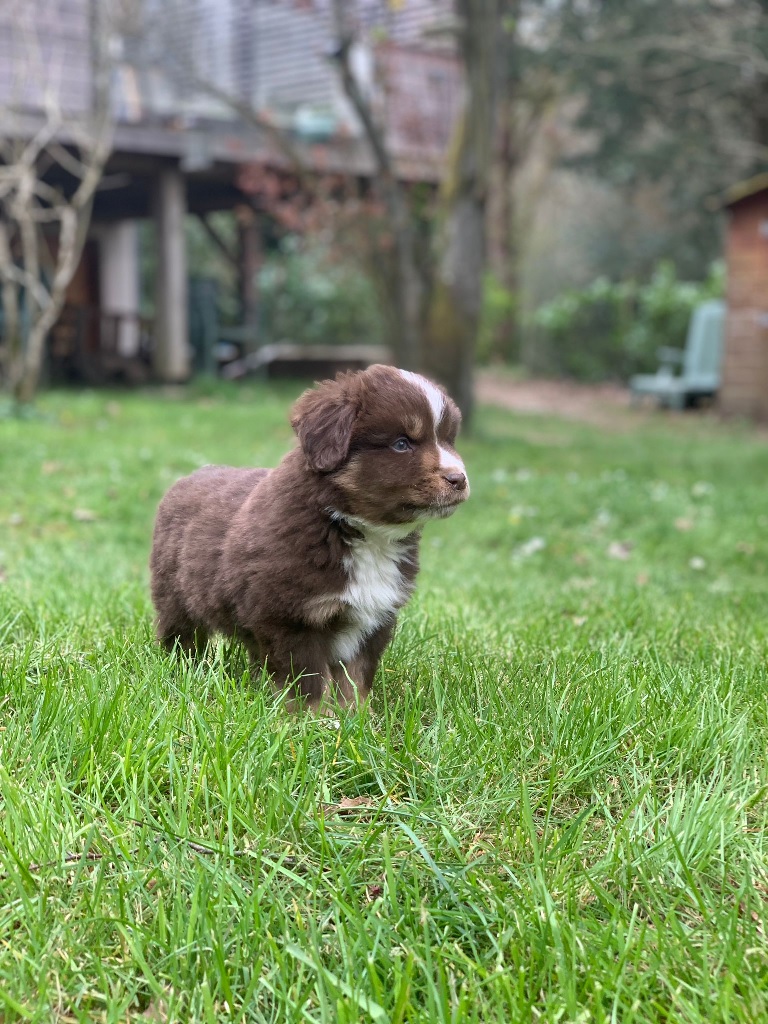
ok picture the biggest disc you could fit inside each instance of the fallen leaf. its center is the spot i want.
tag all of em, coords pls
(700, 488)
(157, 1010)
(659, 490)
(84, 515)
(350, 805)
(683, 524)
(518, 512)
(620, 549)
(530, 547)
(582, 582)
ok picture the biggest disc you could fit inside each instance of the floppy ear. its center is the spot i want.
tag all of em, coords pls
(323, 418)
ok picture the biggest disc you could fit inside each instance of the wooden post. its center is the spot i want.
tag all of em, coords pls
(172, 352)
(250, 256)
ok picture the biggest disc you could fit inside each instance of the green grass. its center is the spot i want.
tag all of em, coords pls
(561, 781)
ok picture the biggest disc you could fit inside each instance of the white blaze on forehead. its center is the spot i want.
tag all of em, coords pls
(449, 461)
(434, 395)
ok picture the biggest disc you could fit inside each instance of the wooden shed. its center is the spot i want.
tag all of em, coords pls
(744, 389)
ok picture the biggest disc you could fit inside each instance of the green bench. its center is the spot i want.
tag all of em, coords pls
(698, 363)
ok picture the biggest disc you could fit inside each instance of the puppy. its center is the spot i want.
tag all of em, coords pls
(308, 564)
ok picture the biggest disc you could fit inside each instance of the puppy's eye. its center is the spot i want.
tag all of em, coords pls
(402, 444)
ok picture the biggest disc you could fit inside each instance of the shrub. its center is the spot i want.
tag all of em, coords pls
(612, 329)
(309, 297)
(497, 337)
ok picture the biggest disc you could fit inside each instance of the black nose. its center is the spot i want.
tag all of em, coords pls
(457, 480)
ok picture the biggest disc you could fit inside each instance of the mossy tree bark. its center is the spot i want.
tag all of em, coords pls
(453, 315)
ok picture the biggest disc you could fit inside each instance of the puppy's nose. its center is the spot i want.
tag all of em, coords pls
(457, 480)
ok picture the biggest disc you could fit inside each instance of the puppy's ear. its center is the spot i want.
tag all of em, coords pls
(323, 419)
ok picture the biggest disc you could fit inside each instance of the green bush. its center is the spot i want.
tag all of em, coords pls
(612, 329)
(309, 297)
(497, 337)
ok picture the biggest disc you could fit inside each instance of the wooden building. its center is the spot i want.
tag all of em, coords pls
(744, 389)
(180, 146)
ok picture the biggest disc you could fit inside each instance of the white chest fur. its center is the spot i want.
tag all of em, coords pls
(376, 587)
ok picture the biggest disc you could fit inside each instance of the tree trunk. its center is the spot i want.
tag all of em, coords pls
(250, 259)
(10, 349)
(406, 290)
(455, 304)
(503, 220)
(74, 226)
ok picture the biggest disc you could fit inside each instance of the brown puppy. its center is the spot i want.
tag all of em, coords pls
(309, 563)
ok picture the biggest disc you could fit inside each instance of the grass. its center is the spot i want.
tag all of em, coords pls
(555, 809)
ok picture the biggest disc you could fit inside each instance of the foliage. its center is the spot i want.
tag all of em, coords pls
(554, 809)
(671, 105)
(204, 259)
(308, 296)
(500, 307)
(615, 328)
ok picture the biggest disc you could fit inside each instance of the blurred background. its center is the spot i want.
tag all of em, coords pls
(287, 187)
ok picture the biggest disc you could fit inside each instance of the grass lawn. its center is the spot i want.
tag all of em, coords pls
(555, 809)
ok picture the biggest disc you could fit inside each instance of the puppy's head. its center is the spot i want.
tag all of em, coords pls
(388, 438)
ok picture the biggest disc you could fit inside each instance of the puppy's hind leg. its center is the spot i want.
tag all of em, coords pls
(175, 628)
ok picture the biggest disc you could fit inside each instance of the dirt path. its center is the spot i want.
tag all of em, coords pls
(601, 404)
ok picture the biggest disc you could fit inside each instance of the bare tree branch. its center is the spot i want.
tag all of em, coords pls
(43, 226)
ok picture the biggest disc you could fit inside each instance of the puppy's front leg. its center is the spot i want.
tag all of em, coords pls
(298, 661)
(355, 678)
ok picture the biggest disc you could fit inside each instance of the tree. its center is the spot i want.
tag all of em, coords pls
(673, 99)
(48, 177)
(417, 260)
(406, 283)
(439, 306)
(453, 316)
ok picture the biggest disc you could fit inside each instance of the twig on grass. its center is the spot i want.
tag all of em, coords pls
(288, 861)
